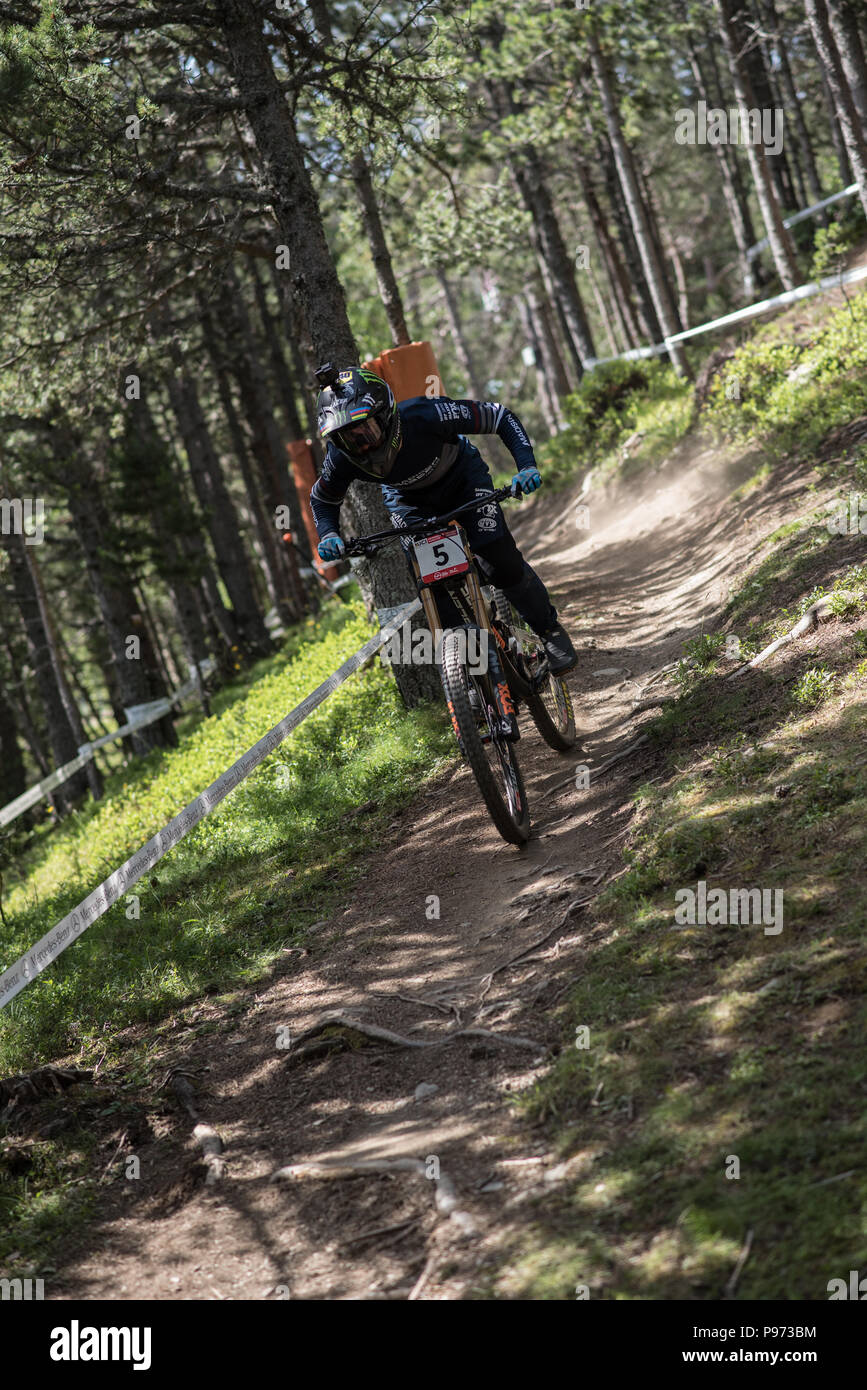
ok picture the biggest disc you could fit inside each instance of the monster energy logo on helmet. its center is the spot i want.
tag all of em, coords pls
(356, 411)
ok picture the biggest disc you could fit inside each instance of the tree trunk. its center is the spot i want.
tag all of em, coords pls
(284, 581)
(782, 249)
(279, 370)
(311, 268)
(712, 90)
(614, 267)
(459, 342)
(856, 147)
(94, 776)
(175, 569)
(806, 153)
(386, 279)
(846, 176)
(844, 28)
(604, 315)
(389, 291)
(662, 257)
(303, 363)
(25, 715)
(269, 441)
(13, 774)
(732, 187)
(560, 266)
(792, 166)
(219, 514)
(563, 342)
(138, 677)
(648, 323)
(218, 620)
(315, 285)
(637, 212)
(549, 365)
(528, 327)
(752, 57)
(61, 735)
(77, 685)
(276, 578)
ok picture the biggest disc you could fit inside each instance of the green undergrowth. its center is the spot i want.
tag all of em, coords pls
(722, 1094)
(645, 403)
(787, 388)
(216, 910)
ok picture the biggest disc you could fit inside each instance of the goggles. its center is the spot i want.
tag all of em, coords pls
(360, 438)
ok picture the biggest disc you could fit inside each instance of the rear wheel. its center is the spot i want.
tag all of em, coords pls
(491, 757)
(548, 701)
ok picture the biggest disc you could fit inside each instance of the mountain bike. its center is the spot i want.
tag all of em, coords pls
(489, 664)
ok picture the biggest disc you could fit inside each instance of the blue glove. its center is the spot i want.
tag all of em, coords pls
(526, 481)
(331, 548)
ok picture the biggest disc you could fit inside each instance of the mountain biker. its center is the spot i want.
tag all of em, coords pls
(419, 454)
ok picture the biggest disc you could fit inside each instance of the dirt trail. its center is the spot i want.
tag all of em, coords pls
(650, 572)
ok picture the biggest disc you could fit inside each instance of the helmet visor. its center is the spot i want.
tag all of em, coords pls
(360, 438)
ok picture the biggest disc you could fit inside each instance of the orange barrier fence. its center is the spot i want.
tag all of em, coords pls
(409, 371)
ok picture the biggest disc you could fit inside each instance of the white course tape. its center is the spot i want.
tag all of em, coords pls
(141, 716)
(33, 794)
(801, 216)
(18, 976)
(830, 282)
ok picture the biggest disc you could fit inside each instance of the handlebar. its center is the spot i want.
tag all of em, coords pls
(368, 545)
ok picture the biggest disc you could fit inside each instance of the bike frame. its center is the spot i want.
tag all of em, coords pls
(368, 545)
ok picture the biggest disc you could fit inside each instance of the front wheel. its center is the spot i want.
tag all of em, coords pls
(491, 757)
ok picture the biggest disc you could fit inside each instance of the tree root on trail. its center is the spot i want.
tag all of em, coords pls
(207, 1138)
(312, 1044)
(423, 1003)
(487, 980)
(816, 613)
(34, 1086)
(616, 757)
(445, 1196)
(659, 703)
(603, 767)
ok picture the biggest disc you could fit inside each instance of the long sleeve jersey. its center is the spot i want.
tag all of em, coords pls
(433, 443)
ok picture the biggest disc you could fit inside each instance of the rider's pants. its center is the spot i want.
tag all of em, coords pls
(499, 559)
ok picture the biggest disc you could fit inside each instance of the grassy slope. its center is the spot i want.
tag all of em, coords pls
(713, 1042)
(250, 877)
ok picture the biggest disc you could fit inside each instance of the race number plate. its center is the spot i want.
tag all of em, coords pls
(441, 555)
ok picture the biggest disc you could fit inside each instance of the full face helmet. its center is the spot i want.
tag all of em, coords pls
(356, 411)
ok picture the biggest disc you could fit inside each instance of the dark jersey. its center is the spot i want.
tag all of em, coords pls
(432, 446)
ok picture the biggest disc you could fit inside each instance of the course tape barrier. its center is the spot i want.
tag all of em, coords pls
(801, 216)
(139, 716)
(18, 976)
(829, 282)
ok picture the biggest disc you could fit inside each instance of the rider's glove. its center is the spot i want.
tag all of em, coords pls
(331, 547)
(526, 481)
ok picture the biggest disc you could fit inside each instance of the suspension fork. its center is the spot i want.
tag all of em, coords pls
(506, 711)
(503, 696)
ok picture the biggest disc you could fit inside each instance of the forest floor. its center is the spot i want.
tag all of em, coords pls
(654, 570)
